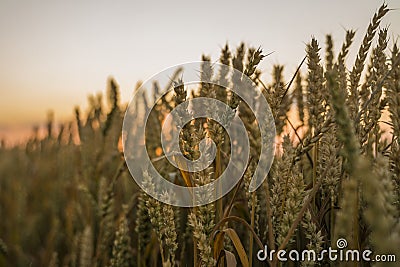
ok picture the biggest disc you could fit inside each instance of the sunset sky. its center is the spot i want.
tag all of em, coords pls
(54, 53)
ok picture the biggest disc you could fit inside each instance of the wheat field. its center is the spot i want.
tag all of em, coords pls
(68, 199)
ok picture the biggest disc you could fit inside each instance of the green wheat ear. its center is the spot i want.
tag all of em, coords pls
(106, 221)
(355, 74)
(162, 218)
(380, 211)
(393, 100)
(143, 227)
(121, 252)
(315, 237)
(86, 252)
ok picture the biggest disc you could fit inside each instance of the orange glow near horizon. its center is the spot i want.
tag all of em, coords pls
(56, 53)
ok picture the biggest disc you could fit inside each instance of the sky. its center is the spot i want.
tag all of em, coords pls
(53, 53)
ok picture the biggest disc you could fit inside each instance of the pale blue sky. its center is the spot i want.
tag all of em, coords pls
(54, 53)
